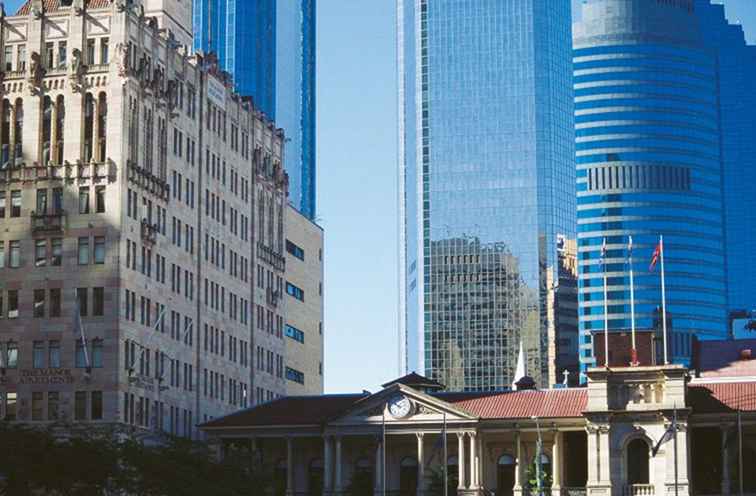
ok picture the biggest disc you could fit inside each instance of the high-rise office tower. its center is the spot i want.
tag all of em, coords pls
(736, 92)
(648, 164)
(487, 193)
(268, 46)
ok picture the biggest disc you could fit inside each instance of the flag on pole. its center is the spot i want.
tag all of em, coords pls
(630, 249)
(603, 252)
(655, 257)
(668, 435)
(79, 331)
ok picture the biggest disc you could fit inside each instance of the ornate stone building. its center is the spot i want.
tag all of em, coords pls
(613, 438)
(142, 198)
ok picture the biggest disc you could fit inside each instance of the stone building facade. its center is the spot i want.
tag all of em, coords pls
(138, 188)
(304, 306)
(615, 437)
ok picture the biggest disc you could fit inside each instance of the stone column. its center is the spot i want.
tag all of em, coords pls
(556, 464)
(327, 465)
(420, 465)
(473, 483)
(337, 483)
(461, 460)
(290, 466)
(725, 429)
(519, 453)
(605, 456)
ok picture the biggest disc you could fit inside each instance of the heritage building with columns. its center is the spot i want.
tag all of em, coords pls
(612, 438)
(143, 198)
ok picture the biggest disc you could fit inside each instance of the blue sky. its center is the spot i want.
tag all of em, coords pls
(356, 153)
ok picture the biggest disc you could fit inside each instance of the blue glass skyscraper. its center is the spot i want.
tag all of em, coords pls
(268, 46)
(487, 187)
(648, 163)
(736, 91)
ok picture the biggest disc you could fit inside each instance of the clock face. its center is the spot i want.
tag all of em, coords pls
(399, 406)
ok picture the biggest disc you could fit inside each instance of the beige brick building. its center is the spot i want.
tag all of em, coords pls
(134, 182)
(304, 305)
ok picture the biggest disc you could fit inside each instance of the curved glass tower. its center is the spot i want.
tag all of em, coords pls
(648, 163)
(487, 188)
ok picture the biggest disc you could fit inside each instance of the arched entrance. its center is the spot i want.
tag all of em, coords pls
(362, 479)
(505, 475)
(315, 478)
(408, 476)
(637, 461)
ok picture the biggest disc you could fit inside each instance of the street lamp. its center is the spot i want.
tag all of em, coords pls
(539, 448)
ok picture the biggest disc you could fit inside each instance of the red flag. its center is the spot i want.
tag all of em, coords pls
(655, 257)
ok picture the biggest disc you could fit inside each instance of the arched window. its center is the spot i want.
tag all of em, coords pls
(89, 112)
(60, 128)
(5, 130)
(102, 119)
(408, 476)
(46, 148)
(19, 130)
(505, 475)
(637, 461)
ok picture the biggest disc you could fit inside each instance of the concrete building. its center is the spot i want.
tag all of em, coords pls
(614, 438)
(136, 186)
(303, 327)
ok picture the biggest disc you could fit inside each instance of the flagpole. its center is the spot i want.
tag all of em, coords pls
(445, 462)
(634, 351)
(664, 301)
(740, 453)
(674, 426)
(606, 323)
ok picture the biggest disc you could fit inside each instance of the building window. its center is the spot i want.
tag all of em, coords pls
(80, 405)
(102, 119)
(98, 302)
(81, 296)
(38, 355)
(52, 405)
(11, 360)
(104, 51)
(295, 250)
(294, 375)
(15, 204)
(62, 52)
(97, 347)
(46, 148)
(294, 291)
(84, 200)
(53, 352)
(96, 405)
(57, 251)
(294, 333)
(2, 204)
(100, 199)
(14, 254)
(99, 250)
(10, 406)
(60, 120)
(40, 253)
(39, 303)
(55, 302)
(13, 304)
(83, 251)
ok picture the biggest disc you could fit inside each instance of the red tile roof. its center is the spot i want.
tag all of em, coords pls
(53, 5)
(722, 358)
(548, 403)
(722, 397)
(291, 410)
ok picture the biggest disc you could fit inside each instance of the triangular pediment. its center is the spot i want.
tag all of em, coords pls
(376, 408)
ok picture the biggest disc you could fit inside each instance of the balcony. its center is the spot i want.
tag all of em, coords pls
(48, 223)
(639, 490)
(271, 257)
(149, 232)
